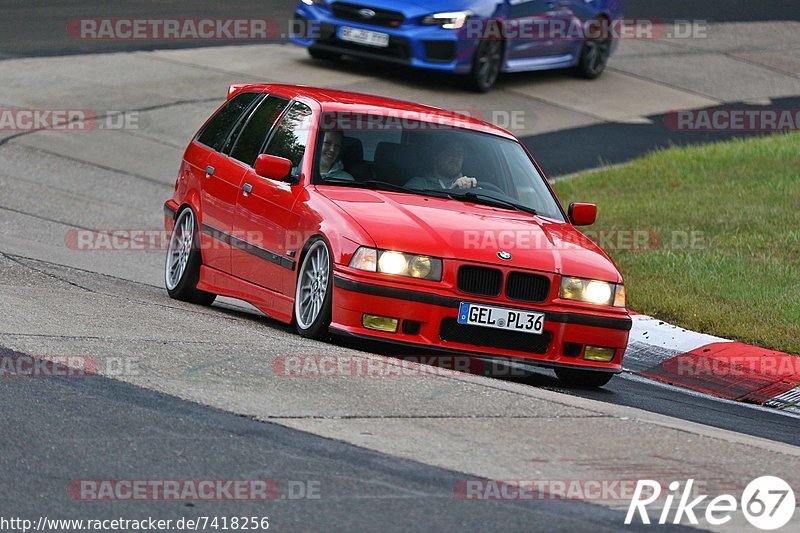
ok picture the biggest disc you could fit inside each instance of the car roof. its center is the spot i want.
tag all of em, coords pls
(332, 100)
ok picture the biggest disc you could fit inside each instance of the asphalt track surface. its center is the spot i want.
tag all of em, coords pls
(126, 432)
(36, 27)
(629, 390)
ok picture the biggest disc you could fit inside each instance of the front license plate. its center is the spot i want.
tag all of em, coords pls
(500, 318)
(366, 37)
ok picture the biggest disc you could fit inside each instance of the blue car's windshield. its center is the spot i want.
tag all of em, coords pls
(427, 158)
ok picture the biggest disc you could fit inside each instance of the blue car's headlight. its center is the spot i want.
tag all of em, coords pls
(315, 2)
(450, 21)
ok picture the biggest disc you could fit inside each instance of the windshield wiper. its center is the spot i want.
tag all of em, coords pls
(369, 184)
(475, 197)
(487, 199)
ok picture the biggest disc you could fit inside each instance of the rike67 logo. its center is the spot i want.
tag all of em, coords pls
(767, 502)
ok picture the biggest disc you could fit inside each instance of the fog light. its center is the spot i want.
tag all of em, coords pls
(596, 353)
(380, 323)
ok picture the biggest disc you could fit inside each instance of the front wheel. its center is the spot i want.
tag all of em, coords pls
(585, 379)
(182, 268)
(486, 65)
(314, 294)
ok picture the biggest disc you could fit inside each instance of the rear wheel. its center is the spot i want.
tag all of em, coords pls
(585, 379)
(182, 268)
(596, 50)
(314, 294)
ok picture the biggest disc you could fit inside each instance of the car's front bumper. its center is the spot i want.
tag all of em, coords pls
(427, 47)
(432, 316)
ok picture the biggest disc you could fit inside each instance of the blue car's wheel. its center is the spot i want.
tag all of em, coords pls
(595, 52)
(486, 65)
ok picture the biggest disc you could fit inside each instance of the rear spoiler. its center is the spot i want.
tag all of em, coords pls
(234, 89)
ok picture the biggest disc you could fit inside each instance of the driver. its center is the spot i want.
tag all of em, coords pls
(446, 172)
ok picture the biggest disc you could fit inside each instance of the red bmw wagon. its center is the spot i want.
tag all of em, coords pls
(372, 217)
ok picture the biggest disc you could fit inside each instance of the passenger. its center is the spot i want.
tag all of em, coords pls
(330, 166)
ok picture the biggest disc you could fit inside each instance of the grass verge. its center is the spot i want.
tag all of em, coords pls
(718, 236)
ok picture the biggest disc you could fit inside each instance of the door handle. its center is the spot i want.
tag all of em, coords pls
(247, 188)
(209, 171)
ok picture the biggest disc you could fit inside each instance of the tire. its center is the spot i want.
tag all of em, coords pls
(314, 294)
(182, 265)
(584, 379)
(486, 65)
(323, 55)
(595, 52)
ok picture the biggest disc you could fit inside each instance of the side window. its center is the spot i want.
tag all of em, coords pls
(254, 134)
(237, 129)
(370, 139)
(291, 136)
(216, 130)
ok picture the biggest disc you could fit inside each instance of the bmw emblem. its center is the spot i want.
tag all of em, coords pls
(505, 256)
(366, 13)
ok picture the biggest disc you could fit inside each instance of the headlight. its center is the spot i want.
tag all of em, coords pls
(397, 263)
(449, 21)
(592, 291)
(314, 2)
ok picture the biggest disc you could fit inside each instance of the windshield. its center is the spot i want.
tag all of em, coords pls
(430, 159)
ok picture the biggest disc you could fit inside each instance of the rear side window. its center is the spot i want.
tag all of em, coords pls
(254, 134)
(216, 131)
(237, 129)
(291, 136)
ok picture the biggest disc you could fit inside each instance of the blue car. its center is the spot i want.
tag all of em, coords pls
(478, 39)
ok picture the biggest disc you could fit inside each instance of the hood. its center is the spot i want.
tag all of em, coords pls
(451, 229)
(418, 8)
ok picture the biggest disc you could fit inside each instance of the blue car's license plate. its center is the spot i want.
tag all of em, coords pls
(501, 318)
(365, 37)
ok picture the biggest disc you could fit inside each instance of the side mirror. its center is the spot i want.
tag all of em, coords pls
(582, 214)
(273, 167)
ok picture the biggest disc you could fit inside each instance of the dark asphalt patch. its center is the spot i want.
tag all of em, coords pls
(572, 150)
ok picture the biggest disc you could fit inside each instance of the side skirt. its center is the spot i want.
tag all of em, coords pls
(273, 304)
